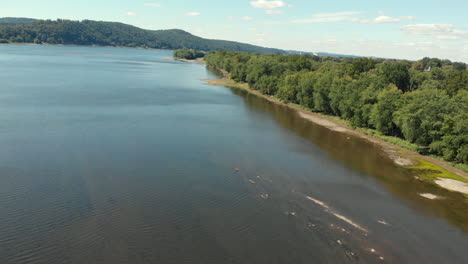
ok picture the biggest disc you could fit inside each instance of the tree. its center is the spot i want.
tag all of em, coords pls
(454, 143)
(383, 110)
(396, 73)
(456, 81)
(321, 93)
(361, 65)
(421, 114)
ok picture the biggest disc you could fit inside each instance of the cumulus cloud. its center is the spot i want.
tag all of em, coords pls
(192, 14)
(270, 6)
(265, 4)
(439, 31)
(131, 14)
(152, 4)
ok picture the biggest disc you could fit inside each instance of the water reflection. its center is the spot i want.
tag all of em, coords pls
(367, 158)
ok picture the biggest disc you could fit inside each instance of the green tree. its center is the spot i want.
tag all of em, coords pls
(420, 115)
(383, 110)
(396, 73)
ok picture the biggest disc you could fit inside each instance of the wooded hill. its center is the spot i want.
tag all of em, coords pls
(88, 32)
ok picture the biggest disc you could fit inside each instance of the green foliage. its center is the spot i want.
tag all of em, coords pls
(88, 32)
(361, 65)
(421, 105)
(396, 73)
(15, 20)
(421, 114)
(456, 81)
(383, 110)
(188, 54)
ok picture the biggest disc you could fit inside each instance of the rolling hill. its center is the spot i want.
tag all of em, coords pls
(88, 32)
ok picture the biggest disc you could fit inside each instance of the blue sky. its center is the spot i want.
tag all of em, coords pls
(395, 29)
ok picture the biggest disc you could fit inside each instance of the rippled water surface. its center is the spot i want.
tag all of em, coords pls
(112, 155)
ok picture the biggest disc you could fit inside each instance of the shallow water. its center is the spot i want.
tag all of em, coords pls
(113, 155)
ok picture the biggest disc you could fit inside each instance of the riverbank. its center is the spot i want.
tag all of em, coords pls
(427, 169)
(76, 45)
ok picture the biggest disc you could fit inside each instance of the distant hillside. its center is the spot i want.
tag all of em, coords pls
(88, 32)
(15, 20)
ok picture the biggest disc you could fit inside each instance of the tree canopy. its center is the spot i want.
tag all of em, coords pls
(88, 32)
(424, 102)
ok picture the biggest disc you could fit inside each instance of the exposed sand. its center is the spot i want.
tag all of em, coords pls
(323, 122)
(403, 161)
(453, 185)
(430, 196)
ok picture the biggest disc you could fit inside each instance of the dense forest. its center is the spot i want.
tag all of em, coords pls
(424, 102)
(15, 20)
(88, 32)
(188, 54)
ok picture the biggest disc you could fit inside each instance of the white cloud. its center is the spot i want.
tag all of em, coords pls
(252, 29)
(152, 4)
(382, 20)
(192, 14)
(349, 16)
(337, 14)
(330, 39)
(131, 14)
(386, 19)
(265, 4)
(447, 37)
(274, 12)
(439, 31)
(327, 17)
(428, 29)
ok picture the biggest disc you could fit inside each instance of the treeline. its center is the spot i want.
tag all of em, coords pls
(188, 54)
(424, 102)
(15, 20)
(88, 32)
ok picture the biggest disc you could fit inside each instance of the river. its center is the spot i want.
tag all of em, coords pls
(115, 155)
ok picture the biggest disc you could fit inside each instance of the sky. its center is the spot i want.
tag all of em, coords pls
(400, 29)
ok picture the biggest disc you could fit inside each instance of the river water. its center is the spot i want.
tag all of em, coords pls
(113, 155)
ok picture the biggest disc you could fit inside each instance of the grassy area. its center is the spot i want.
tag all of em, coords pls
(432, 172)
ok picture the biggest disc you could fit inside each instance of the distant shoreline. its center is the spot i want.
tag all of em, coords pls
(76, 45)
(429, 167)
